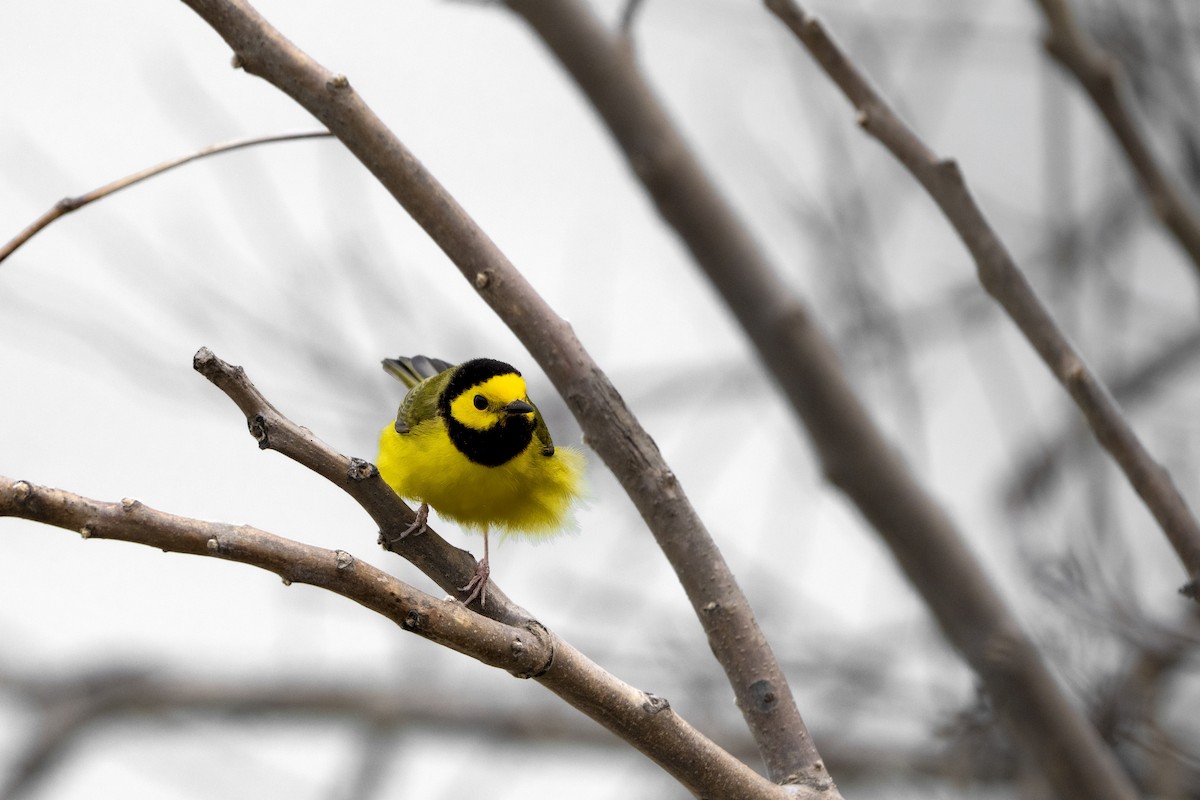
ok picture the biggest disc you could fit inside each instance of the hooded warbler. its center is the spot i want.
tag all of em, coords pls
(469, 443)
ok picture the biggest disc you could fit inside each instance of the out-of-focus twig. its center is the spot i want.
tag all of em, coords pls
(1037, 468)
(1099, 75)
(1005, 282)
(69, 204)
(761, 689)
(68, 707)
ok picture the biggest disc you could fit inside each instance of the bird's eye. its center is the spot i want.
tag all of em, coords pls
(480, 402)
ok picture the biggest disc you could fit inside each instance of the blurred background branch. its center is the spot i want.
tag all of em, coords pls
(1100, 75)
(69, 204)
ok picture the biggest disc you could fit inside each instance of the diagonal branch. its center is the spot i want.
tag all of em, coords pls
(1005, 282)
(853, 451)
(612, 431)
(69, 204)
(1099, 75)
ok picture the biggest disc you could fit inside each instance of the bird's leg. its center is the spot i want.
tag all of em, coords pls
(477, 586)
(419, 525)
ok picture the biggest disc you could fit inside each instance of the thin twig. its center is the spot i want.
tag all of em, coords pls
(854, 454)
(611, 429)
(1005, 282)
(1100, 76)
(69, 204)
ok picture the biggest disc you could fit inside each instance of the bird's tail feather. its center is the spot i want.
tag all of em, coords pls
(412, 371)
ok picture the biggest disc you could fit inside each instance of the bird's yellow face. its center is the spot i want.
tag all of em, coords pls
(488, 404)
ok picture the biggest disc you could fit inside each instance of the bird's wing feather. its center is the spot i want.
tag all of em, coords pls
(542, 432)
(426, 378)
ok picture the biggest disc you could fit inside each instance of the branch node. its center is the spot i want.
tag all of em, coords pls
(204, 361)
(213, 545)
(338, 83)
(1075, 375)
(1191, 589)
(236, 61)
(258, 429)
(286, 580)
(361, 470)
(655, 704)
(415, 620)
(518, 648)
(345, 561)
(482, 279)
(87, 531)
(949, 169)
(764, 696)
(128, 504)
(23, 491)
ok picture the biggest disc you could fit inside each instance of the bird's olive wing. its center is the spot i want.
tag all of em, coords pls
(542, 432)
(421, 402)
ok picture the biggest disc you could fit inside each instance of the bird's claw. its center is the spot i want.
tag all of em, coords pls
(419, 524)
(477, 586)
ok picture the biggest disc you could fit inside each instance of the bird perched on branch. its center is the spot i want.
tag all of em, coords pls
(468, 442)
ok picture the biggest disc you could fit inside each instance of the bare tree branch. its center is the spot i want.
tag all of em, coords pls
(854, 454)
(1099, 75)
(643, 720)
(612, 431)
(69, 204)
(1004, 281)
(525, 653)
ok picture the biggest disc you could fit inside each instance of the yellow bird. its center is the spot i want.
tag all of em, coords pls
(469, 443)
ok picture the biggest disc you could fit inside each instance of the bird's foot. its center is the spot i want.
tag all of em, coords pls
(477, 586)
(420, 524)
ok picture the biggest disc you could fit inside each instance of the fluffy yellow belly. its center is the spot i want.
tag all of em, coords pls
(530, 495)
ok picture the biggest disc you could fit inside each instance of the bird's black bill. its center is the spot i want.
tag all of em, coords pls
(519, 407)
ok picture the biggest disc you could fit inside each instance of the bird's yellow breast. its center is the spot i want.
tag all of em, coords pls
(531, 494)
